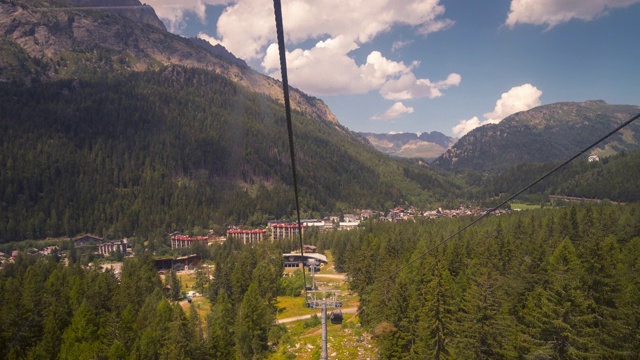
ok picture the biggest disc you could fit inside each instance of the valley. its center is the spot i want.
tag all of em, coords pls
(147, 210)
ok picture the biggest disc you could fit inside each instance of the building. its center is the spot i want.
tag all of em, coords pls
(87, 240)
(349, 218)
(309, 248)
(107, 248)
(178, 263)
(295, 260)
(247, 236)
(348, 225)
(285, 231)
(48, 250)
(183, 241)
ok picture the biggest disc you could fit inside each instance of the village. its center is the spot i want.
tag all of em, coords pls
(274, 230)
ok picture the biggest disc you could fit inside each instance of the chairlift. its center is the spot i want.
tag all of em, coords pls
(336, 317)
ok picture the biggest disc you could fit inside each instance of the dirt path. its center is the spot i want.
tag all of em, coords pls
(352, 310)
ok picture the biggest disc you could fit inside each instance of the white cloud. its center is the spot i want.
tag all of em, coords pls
(397, 45)
(175, 13)
(210, 39)
(247, 29)
(555, 12)
(396, 110)
(519, 98)
(326, 69)
(464, 126)
(408, 87)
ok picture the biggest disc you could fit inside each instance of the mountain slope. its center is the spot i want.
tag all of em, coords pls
(150, 152)
(544, 134)
(426, 146)
(69, 42)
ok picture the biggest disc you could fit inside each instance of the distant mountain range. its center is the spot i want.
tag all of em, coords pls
(427, 146)
(544, 134)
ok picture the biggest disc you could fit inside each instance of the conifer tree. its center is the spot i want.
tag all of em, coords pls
(559, 316)
(81, 340)
(436, 319)
(220, 325)
(252, 325)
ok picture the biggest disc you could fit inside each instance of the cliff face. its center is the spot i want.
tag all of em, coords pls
(44, 41)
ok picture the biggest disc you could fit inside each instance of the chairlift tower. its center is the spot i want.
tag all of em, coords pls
(325, 299)
(312, 266)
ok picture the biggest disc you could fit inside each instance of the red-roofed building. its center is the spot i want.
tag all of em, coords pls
(246, 236)
(183, 241)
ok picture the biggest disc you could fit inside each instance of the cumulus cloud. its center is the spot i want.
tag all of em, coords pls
(519, 98)
(330, 72)
(246, 28)
(555, 12)
(174, 13)
(396, 110)
(408, 87)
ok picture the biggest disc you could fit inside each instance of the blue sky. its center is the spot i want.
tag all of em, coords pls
(423, 65)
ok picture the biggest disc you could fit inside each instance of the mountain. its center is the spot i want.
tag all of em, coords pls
(113, 126)
(57, 39)
(426, 146)
(544, 134)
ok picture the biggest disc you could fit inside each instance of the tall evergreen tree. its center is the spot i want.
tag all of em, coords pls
(436, 319)
(255, 316)
(220, 329)
(559, 316)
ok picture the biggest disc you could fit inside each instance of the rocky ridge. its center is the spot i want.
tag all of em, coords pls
(43, 41)
(544, 134)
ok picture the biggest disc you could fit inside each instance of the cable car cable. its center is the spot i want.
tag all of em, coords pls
(287, 107)
(428, 251)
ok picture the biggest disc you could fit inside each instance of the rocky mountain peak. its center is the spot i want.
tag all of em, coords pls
(58, 39)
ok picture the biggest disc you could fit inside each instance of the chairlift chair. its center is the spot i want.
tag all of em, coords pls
(336, 317)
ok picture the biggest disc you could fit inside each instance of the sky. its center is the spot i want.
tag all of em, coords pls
(388, 66)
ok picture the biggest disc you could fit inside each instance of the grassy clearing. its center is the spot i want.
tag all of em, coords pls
(289, 306)
(187, 280)
(522, 206)
(301, 341)
(344, 341)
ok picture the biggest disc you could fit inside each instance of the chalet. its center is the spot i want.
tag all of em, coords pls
(87, 240)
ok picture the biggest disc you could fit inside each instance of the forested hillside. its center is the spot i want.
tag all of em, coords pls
(610, 178)
(148, 153)
(547, 133)
(545, 284)
(53, 311)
